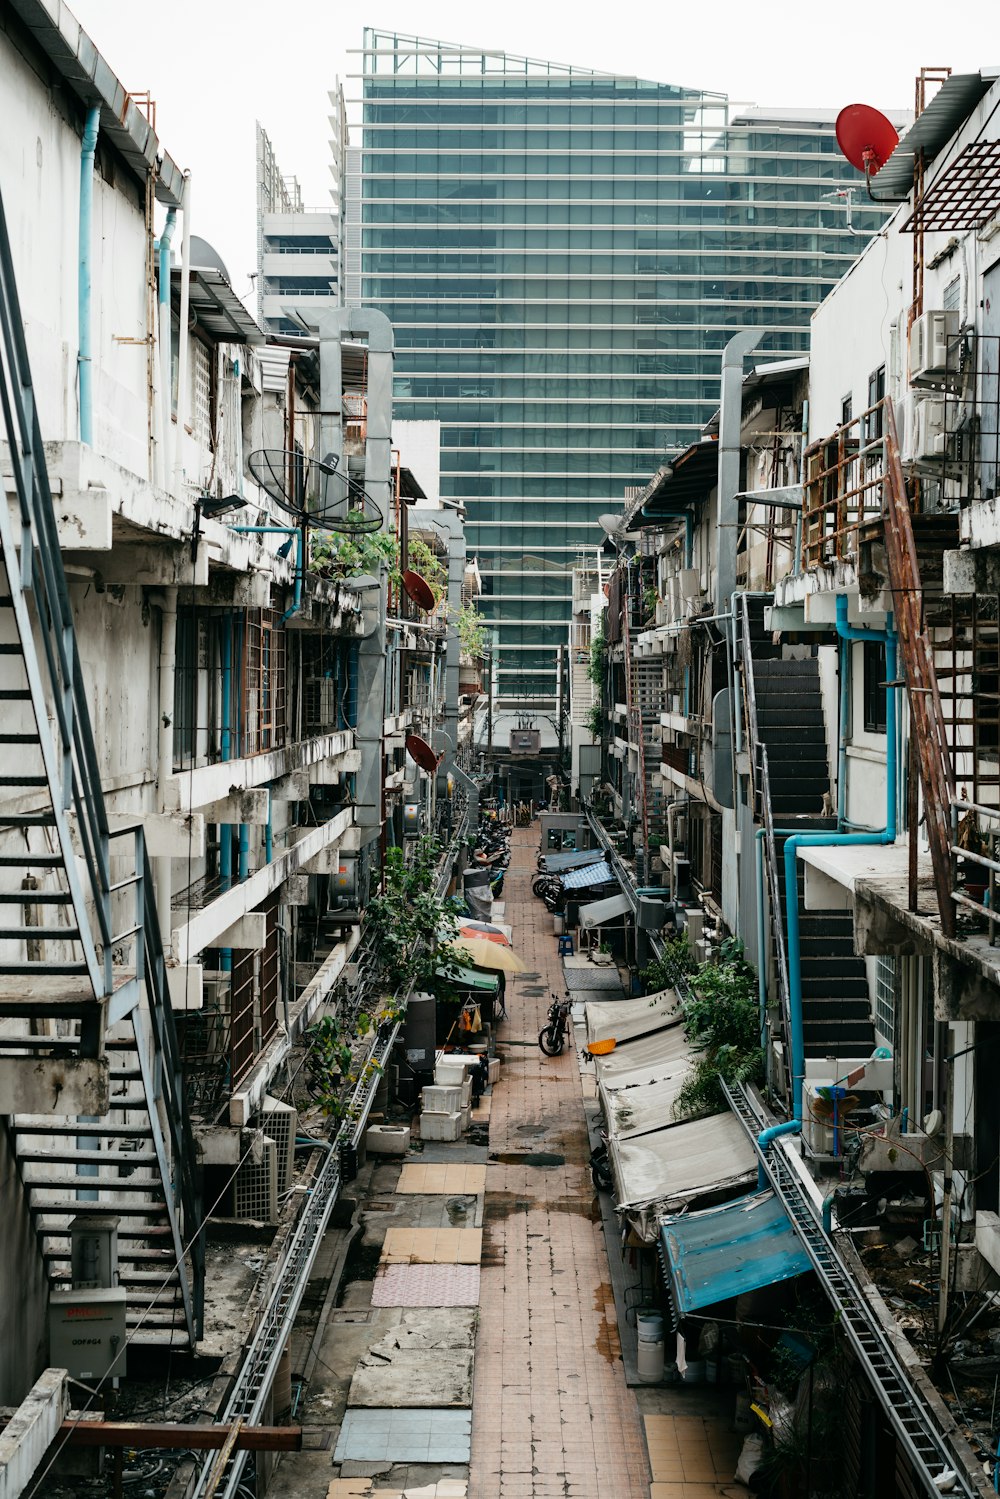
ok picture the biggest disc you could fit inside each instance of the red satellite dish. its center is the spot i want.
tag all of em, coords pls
(866, 137)
(419, 590)
(419, 750)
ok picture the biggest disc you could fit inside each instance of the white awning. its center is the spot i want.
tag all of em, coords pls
(601, 911)
(647, 1060)
(640, 1111)
(659, 1172)
(624, 1019)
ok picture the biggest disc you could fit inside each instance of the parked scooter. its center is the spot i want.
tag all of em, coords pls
(553, 1038)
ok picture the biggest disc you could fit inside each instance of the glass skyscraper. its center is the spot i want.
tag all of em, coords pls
(563, 255)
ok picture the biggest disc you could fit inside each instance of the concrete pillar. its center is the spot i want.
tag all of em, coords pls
(165, 749)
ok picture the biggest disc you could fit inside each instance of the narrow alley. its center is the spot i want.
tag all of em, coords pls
(391, 1405)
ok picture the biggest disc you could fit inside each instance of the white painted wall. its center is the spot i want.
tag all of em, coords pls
(419, 445)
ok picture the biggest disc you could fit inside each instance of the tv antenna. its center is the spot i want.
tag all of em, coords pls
(314, 491)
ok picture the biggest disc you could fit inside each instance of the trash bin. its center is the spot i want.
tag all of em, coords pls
(649, 1325)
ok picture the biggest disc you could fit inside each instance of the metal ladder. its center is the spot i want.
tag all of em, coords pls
(913, 1423)
(220, 1474)
(71, 990)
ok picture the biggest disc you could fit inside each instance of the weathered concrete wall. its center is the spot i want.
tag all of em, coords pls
(23, 1305)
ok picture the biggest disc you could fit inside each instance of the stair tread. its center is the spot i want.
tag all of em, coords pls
(68, 1157)
(94, 1183)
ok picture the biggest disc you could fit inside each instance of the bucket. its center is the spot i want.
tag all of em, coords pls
(711, 1371)
(694, 1372)
(649, 1325)
(649, 1361)
(558, 925)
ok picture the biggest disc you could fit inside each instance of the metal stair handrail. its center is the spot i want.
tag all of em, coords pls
(929, 736)
(40, 571)
(760, 773)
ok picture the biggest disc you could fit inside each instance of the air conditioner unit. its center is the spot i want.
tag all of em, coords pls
(929, 340)
(255, 1187)
(926, 437)
(281, 1123)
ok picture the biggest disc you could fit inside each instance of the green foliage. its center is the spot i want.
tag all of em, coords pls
(407, 922)
(422, 557)
(473, 636)
(334, 556)
(650, 599)
(329, 1063)
(598, 656)
(722, 1021)
(595, 720)
(677, 961)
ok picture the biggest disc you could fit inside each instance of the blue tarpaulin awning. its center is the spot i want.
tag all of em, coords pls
(592, 874)
(726, 1250)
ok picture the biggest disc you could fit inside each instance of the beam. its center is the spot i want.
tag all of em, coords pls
(145, 1435)
(30, 1432)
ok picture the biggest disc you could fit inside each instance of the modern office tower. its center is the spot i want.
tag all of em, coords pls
(299, 253)
(564, 255)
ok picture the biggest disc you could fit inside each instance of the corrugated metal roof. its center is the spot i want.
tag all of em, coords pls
(600, 911)
(571, 859)
(720, 1253)
(670, 1166)
(949, 109)
(217, 307)
(624, 1019)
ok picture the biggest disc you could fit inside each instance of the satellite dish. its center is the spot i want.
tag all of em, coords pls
(315, 492)
(419, 750)
(419, 590)
(866, 137)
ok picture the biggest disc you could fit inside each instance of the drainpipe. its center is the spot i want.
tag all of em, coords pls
(797, 559)
(269, 829)
(165, 749)
(295, 531)
(844, 648)
(179, 432)
(846, 632)
(85, 359)
(163, 294)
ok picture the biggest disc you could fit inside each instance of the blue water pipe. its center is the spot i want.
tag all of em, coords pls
(225, 751)
(295, 531)
(85, 358)
(269, 829)
(844, 651)
(846, 632)
(163, 280)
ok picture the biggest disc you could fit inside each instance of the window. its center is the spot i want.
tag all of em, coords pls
(876, 392)
(887, 977)
(846, 410)
(874, 686)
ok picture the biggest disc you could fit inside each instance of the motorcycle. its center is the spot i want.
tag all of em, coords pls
(553, 1037)
(600, 1166)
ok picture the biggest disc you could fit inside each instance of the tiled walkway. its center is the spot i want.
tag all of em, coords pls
(552, 1414)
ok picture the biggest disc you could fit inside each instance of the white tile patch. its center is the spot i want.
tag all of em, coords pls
(405, 1436)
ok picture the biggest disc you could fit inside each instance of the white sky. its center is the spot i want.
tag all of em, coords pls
(215, 66)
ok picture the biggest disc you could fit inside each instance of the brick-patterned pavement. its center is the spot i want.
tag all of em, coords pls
(552, 1414)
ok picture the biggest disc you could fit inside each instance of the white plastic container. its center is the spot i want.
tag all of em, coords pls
(387, 1139)
(441, 1099)
(449, 1074)
(441, 1126)
(494, 1070)
(466, 1092)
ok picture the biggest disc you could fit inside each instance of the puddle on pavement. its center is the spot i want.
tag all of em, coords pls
(528, 1158)
(607, 1342)
(361, 1264)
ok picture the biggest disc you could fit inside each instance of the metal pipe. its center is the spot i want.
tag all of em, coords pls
(225, 835)
(269, 829)
(774, 1132)
(844, 649)
(166, 383)
(165, 751)
(85, 358)
(179, 430)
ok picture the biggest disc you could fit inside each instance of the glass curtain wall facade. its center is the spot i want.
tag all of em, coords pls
(564, 255)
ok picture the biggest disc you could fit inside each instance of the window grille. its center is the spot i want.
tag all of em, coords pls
(887, 980)
(264, 705)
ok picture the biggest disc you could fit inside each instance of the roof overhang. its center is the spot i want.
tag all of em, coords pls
(218, 309)
(947, 112)
(61, 38)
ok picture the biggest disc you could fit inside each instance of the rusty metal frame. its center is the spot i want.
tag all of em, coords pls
(263, 689)
(928, 728)
(963, 197)
(842, 489)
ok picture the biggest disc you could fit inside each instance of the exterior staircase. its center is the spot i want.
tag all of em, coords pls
(836, 1009)
(91, 1091)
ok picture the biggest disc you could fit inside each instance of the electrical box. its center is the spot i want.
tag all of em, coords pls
(930, 338)
(412, 819)
(93, 1252)
(87, 1332)
(525, 741)
(344, 880)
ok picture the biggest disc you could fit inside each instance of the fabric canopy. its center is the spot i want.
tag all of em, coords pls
(658, 1173)
(639, 1111)
(591, 874)
(646, 1060)
(623, 1019)
(471, 978)
(600, 911)
(719, 1253)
